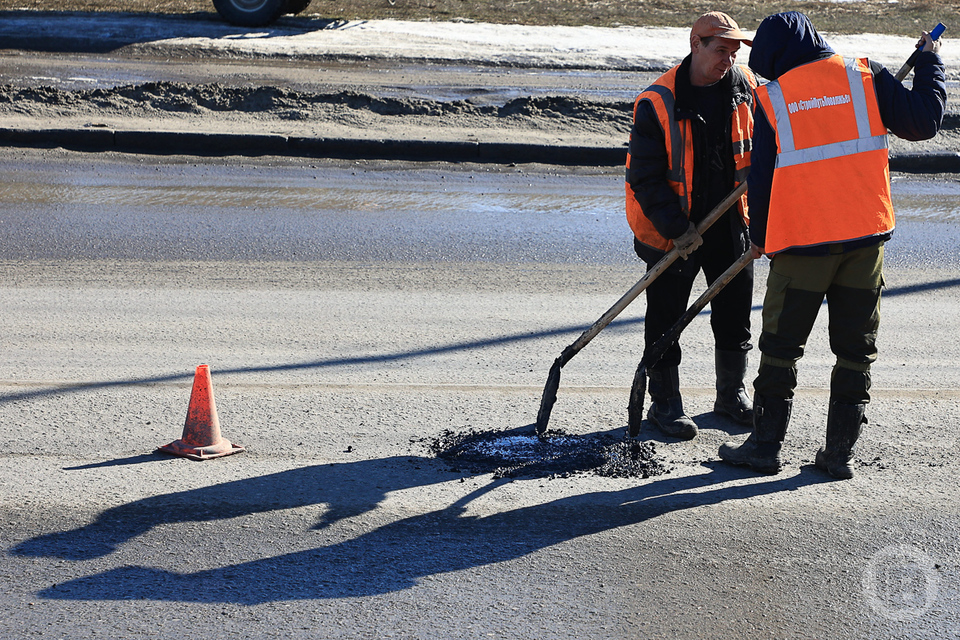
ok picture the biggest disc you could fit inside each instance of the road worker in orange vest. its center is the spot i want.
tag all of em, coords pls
(820, 208)
(689, 148)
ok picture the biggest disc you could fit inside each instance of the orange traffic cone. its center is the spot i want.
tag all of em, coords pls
(201, 432)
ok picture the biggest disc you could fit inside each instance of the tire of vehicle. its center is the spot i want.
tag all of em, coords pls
(296, 6)
(250, 13)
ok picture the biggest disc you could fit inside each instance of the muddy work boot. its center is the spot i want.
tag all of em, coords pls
(666, 411)
(844, 424)
(761, 450)
(732, 399)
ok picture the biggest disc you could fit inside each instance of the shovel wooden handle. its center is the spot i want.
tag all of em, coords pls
(549, 396)
(912, 60)
(647, 278)
(658, 348)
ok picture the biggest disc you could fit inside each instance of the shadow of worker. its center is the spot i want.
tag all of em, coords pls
(340, 490)
(395, 556)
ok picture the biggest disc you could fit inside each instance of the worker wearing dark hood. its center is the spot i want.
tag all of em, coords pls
(820, 208)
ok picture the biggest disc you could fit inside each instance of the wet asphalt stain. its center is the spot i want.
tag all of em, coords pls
(555, 454)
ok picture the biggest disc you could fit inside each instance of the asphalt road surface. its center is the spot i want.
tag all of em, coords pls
(353, 312)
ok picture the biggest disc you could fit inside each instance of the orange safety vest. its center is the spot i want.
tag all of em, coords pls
(831, 180)
(678, 135)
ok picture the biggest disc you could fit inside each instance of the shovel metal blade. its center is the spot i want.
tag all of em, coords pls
(549, 397)
(635, 408)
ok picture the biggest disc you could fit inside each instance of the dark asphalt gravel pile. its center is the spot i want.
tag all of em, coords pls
(555, 454)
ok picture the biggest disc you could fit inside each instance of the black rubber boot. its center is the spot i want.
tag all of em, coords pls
(761, 450)
(666, 411)
(732, 399)
(844, 424)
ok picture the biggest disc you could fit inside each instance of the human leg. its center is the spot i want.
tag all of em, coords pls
(730, 322)
(732, 399)
(844, 425)
(761, 450)
(795, 290)
(667, 298)
(854, 305)
(853, 301)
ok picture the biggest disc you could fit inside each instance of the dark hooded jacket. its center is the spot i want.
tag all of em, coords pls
(787, 40)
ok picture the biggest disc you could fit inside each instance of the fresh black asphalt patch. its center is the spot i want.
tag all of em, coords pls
(508, 454)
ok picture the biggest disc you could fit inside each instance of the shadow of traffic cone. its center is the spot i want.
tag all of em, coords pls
(201, 432)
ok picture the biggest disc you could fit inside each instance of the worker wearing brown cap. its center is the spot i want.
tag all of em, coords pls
(690, 147)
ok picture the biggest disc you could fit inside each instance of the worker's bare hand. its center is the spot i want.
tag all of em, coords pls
(928, 44)
(755, 251)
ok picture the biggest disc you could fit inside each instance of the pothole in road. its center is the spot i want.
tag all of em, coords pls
(554, 454)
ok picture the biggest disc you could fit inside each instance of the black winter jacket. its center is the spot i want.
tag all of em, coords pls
(787, 40)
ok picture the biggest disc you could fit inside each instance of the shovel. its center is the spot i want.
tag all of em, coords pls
(658, 348)
(553, 378)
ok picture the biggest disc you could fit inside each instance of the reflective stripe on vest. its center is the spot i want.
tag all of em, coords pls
(678, 137)
(665, 108)
(840, 149)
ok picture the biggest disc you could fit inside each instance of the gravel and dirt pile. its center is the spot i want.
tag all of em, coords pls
(215, 107)
(173, 97)
(179, 101)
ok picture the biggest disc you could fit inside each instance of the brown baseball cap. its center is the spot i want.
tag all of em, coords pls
(716, 23)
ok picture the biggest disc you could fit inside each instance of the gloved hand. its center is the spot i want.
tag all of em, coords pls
(688, 242)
